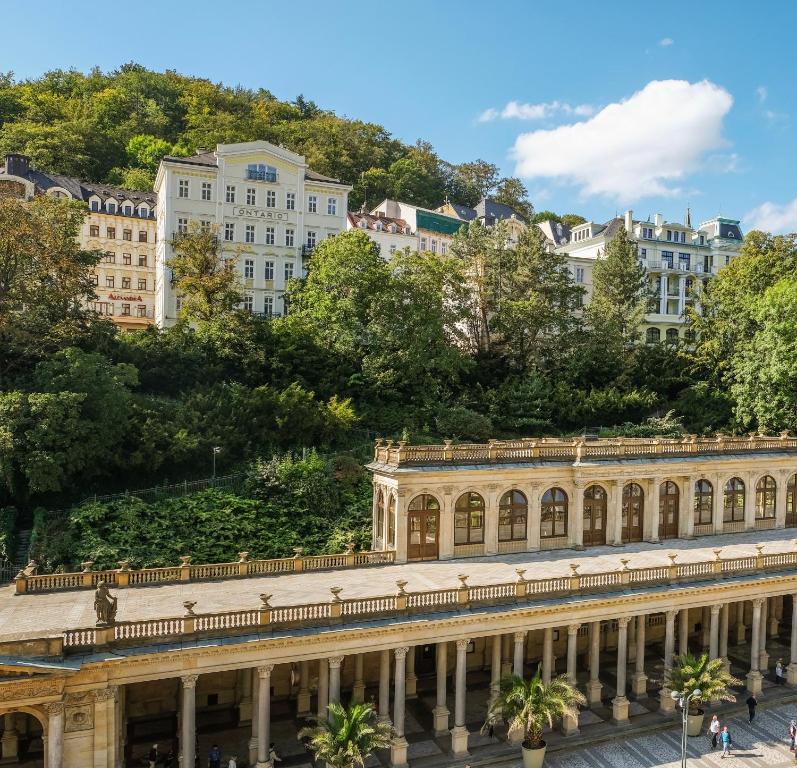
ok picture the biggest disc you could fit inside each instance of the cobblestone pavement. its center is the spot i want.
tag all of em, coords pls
(37, 614)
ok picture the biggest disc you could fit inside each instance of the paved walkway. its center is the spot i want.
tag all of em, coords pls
(51, 613)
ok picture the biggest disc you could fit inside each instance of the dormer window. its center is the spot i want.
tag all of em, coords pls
(95, 204)
(378, 226)
(393, 228)
(363, 224)
(407, 231)
(127, 210)
(143, 212)
(110, 207)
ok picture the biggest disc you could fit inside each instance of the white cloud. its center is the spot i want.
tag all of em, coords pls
(762, 93)
(633, 148)
(515, 110)
(773, 217)
(666, 41)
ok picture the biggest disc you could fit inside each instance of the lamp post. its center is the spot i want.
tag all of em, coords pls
(683, 701)
(216, 449)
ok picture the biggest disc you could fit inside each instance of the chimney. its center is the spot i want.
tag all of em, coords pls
(658, 219)
(17, 164)
(629, 221)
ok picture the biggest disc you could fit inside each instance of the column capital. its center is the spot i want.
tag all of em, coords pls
(715, 609)
(265, 671)
(572, 629)
(462, 645)
(757, 602)
(54, 708)
(622, 622)
(106, 694)
(520, 636)
(335, 661)
(671, 614)
(401, 653)
(189, 681)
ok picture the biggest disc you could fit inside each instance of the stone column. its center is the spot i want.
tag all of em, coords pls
(358, 689)
(717, 496)
(663, 295)
(533, 518)
(264, 715)
(763, 656)
(754, 677)
(441, 712)
(686, 506)
(683, 631)
(303, 699)
(781, 480)
(446, 536)
(398, 747)
(106, 726)
(547, 654)
(255, 724)
(401, 527)
(570, 724)
(652, 517)
(520, 653)
(666, 704)
(775, 615)
(740, 628)
(334, 679)
(459, 734)
(9, 744)
(506, 655)
(576, 533)
(411, 691)
(244, 684)
(714, 633)
(620, 702)
(705, 627)
(594, 685)
(55, 733)
(495, 667)
(749, 501)
(617, 521)
(491, 520)
(384, 686)
(632, 639)
(639, 682)
(187, 722)
(723, 639)
(323, 687)
(791, 672)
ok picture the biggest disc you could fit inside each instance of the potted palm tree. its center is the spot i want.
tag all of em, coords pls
(347, 737)
(531, 705)
(699, 673)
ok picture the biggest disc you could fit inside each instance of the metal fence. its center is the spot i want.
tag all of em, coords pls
(174, 489)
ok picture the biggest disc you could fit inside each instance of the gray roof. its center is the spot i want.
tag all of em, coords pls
(463, 212)
(489, 210)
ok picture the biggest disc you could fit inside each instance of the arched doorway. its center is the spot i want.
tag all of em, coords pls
(791, 502)
(594, 516)
(423, 526)
(22, 739)
(633, 513)
(668, 510)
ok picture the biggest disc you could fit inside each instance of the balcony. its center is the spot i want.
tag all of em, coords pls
(253, 175)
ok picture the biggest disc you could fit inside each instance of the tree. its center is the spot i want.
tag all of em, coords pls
(348, 736)
(546, 215)
(512, 192)
(699, 673)
(470, 182)
(572, 220)
(204, 276)
(531, 705)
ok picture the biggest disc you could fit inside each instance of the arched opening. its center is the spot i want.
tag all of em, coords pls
(423, 526)
(553, 514)
(22, 739)
(513, 512)
(380, 518)
(632, 513)
(469, 519)
(704, 502)
(653, 335)
(391, 522)
(668, 510)
(733, 501)
(594, 516)
(766, 490)
(672, 335)
(791, 502)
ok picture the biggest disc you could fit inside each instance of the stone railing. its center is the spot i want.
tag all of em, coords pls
(403, 603)
(577, 449)
(28, 580)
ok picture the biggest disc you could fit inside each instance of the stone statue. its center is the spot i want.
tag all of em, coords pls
(104, 605)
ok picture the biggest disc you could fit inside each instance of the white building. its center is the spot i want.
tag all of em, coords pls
(432, 231)
(269, 208)
(390, 235)
(679, 260)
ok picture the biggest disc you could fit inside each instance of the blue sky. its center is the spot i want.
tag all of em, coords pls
(599, 107)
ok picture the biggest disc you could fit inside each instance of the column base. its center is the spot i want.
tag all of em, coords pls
(754, 680)
(358, 692)
(303, 704)
(570, 726)
(440, 716)
(639, 686)
(459, 741)
(791, 674)
(763, 662)
(594, 689)
(264, 764)
(412, 687)
(252, 751)
(398, 752)
(620, 705)
(666, 704)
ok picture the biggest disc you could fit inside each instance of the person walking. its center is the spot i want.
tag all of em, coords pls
(780, 673)
(792, 734)
(752, 703)
(153, 756)
(214, 757)
(714, 730)
(725, 740)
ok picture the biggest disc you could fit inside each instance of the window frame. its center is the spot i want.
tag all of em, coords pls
(470, 512)
(554, 511)
(514, 514)
(703, 501)
(731, 491)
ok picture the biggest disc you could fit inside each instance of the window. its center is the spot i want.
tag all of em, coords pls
(765, 493)
(672, 335)
(290, 200)
(733, 501)
(141, 310)
(125, 282)
(553, 514)
(109, 257)
(312, 204)
(392, 249)
(443, 247)
(182, 188)
(702, 240)
(332, 206)
(683, 261)
(469, 519)
(142, 235)
(669, 235)
(110, 207)
(143, 213)
(142, 283)
(230, 194)
(249, 269)
(434, 245)
(249, 302)
(704, 501)
(126, 310)
(260, 172)
(182, 226)
(95, 205)
(643, 253)
(110, 233)
(249, 233)
(288, 271)
(127, 259)
(791, 501)
(142, 260)
(269, 235)
(666, 259)
(653, 336)
(268, 274)
(647, 233)
(512, 515)
(94, 231)
(423, 243)
(682, 239)
(127, 234)
(206, 190)
(271, 198)
(311, 239)
(95, 280)
(229, 231)
(251, 196)
(268, 305)
(289, 238)
(109, 281)
(579, 274)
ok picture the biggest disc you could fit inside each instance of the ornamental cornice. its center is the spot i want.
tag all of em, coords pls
(27, 688)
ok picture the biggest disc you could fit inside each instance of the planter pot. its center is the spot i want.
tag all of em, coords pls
(533, 758)
(694, 723)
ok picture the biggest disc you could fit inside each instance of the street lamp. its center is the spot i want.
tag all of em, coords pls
(216, 449)
(683, 701)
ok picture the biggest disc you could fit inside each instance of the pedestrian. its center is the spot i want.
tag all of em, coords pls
(725, 740)
(273, 756)
(780, 673)
(171, 759)
(752, 703)
(792, 734)
(153, 756)
(233, 762)
(214, 757)
(714, 730)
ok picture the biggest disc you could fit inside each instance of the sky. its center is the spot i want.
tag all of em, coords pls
(598, 107)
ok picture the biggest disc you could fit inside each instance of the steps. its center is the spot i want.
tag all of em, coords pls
(21, 556)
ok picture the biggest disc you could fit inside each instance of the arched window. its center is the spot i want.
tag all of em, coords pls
(704, 501)
(791, 502)
(380, 516)
(424, 503)
(391, 522)
(469, 519)
(512, 515)
(553, 514)
(733, 502)
(633, 512)
(653, 335)
(689, 335)
(672, 335)
(765, 492)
